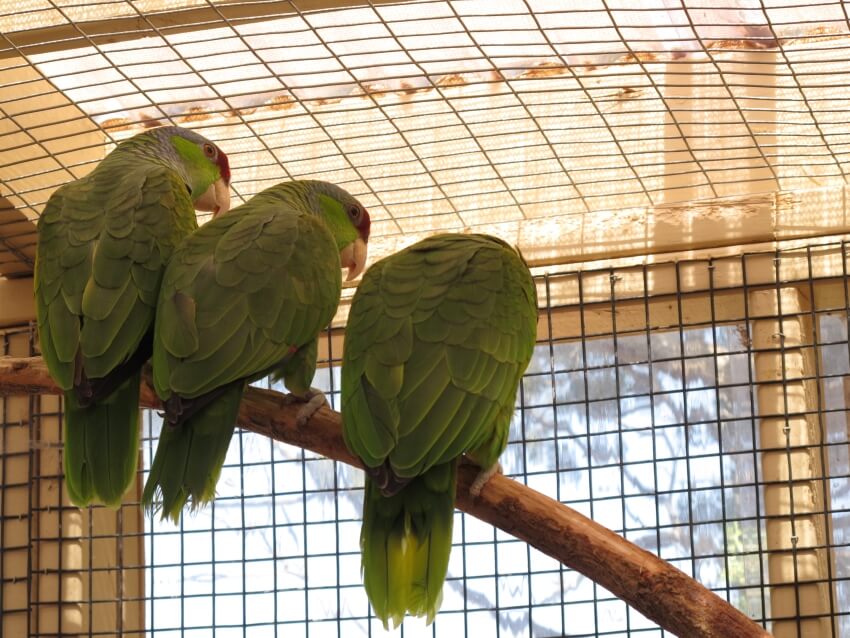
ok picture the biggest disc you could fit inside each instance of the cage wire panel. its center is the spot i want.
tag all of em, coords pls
(700, 409)
(526, 117)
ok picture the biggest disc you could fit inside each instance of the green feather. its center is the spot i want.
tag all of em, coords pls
(127, 339)
(179, 333)
(189, 457)
(213, 337)
(99, 332)
(433, 331)
(61, 371)
(463, 363)
(73, 284)
(298, 370)
(220, 305)
(100, 302)
(395, 346)
(419, 402)
(194, 377)
(436, 341)
(64, 330)
(264, 307)
(374, 421)
(74, 255)
(236, 297)
(102, 446)
(436, 420)
(405, 542)
(103, 242)
(481, 420)
(420, 369)
(387, 380)
(147, 283)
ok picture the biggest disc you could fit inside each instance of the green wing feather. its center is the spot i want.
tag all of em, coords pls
(241, 295)
(297, 371)
(103, 241)
(436, 343)
(223, 322)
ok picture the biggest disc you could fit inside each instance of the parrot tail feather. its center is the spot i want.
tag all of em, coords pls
(406, 540)
(102, 445)
(189, 457)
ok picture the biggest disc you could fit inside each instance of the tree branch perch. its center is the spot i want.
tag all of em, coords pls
(658, 590)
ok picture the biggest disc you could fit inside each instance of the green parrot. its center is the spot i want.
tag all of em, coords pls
(103, 242)
(245, 296)
(437, 340)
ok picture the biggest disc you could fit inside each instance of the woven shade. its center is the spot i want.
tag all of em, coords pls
(569, 132)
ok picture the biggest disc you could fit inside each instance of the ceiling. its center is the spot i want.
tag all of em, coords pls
(600, 129)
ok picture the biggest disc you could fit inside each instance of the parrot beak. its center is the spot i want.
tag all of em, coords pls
(216, 199)
(353, 257)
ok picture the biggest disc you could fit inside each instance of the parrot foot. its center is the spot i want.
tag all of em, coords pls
(482, 478)
(313, 399)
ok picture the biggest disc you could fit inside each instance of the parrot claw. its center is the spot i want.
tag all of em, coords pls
(482, 478)
(313, 400)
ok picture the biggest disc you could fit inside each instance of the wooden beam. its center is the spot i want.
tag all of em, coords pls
(654, 232)
(124, 28)
(655, 588)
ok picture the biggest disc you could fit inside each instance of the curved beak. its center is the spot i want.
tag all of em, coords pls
(353, 257)
(216, 199)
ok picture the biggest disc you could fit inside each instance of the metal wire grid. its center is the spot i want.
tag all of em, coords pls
(488, 587)
(14, 552)
(444, 115)
(648, 423)
(63, 570)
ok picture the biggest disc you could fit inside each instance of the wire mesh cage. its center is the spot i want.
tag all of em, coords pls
(532, 119)
(647, 405)
(694, 402)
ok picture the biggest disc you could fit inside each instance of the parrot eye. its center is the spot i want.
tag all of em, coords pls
(355, 212)
(209, 150)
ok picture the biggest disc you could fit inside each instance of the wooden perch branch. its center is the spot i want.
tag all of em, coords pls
(658, 590)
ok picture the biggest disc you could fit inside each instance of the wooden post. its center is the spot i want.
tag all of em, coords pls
(14, 502)
(790, 433)
(38, 564)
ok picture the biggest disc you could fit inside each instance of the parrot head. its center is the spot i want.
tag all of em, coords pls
(203, 165)
(348, 221)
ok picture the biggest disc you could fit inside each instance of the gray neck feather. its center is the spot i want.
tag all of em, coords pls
(155, 145)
